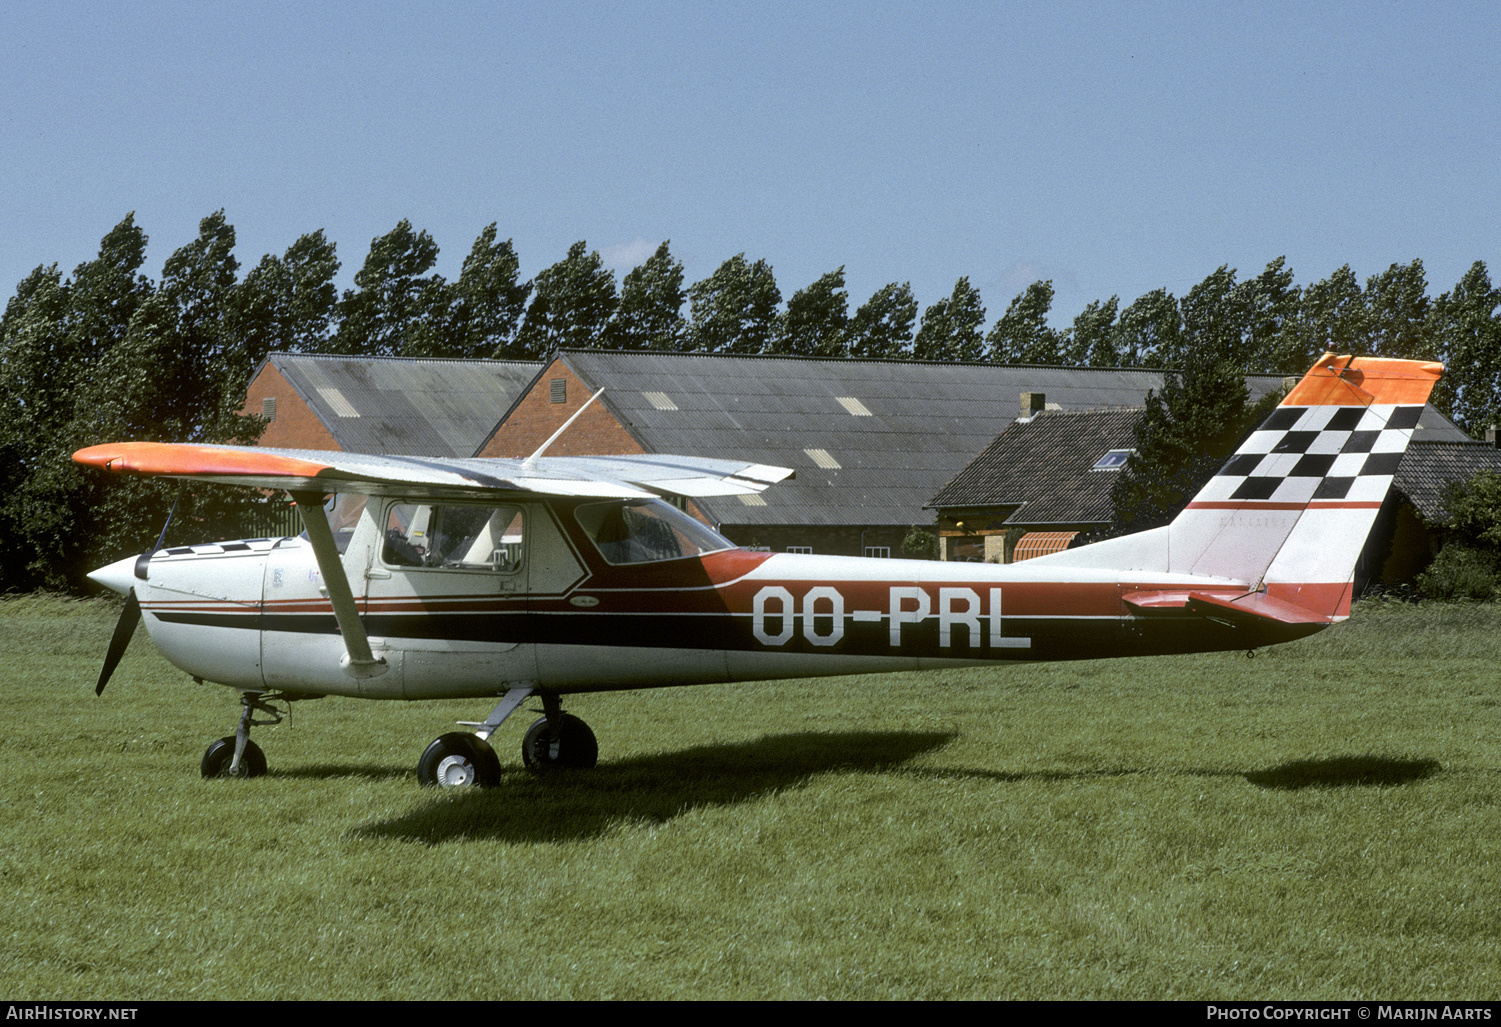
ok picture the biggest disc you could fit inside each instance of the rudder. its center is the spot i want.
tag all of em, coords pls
(1291, 510)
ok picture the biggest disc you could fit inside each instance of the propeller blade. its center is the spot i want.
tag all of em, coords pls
(124, 629)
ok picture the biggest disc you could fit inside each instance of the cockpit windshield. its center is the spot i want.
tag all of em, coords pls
(645, 531)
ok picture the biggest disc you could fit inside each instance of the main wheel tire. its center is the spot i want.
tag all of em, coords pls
(574, 749)
(221, 754)
(459, 760)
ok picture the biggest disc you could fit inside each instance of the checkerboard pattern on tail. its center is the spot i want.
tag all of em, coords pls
(1314, 454)
(1290, 512)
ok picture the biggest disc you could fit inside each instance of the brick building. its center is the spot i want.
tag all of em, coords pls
(383, 404)
(871, 440)
(1046, 478)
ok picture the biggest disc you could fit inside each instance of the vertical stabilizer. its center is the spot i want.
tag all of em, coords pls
(1291, 510)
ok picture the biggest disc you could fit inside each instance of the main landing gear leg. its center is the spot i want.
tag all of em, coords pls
(460, 759)
(237, 755)
(558, 740)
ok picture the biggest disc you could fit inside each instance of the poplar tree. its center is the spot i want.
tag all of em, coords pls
(572, 303)
(950, 328)
(816, 319)
(394, 297)
(650, 315)
(1021, 335)
(734, 310)
(882, 327)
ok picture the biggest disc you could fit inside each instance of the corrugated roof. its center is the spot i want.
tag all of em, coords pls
(406, 406)
(925, 421)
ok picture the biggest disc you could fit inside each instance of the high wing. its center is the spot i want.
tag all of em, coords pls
(308, 474)
(606, 477)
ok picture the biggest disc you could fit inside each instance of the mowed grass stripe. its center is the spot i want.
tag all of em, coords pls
(1318, 822)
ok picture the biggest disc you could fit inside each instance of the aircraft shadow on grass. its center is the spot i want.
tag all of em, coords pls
(564, 806)
(1344, 771)
(569, 805)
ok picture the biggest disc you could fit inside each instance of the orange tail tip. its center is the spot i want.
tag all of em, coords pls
(1365, 381)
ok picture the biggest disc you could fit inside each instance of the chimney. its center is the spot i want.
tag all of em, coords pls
(1033, 403)
(1493, 436)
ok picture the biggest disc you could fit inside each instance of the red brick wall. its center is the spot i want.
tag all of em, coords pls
(296, 426)
(595, 433)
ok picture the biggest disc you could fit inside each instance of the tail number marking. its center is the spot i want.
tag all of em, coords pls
(821, 617)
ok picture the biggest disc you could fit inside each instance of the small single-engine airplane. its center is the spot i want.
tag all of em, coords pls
(450, 578)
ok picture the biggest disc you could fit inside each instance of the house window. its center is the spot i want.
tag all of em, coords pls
(878, 552)
(800, 549)
(559, 390)
(1113, 460)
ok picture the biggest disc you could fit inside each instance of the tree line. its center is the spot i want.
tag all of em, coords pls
(108, 353)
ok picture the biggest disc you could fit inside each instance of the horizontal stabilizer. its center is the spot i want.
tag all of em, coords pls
(1245, 609)
(1253, 607)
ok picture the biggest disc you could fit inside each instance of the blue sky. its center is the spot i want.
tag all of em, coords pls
(1114, 148)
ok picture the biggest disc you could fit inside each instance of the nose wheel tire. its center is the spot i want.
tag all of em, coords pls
(459, 760)
(221, 754)
(572, 748)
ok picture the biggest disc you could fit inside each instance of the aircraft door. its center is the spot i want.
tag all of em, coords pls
(447, 588)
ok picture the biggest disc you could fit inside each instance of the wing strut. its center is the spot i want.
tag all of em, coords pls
(530, 463)
(359, 661)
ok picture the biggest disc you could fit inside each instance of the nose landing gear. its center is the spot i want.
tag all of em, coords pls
(237, 755)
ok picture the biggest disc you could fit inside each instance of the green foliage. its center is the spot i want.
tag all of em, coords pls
(395, 303)
(1461, 573)
(572, 305)
(1187, 429)
(286, 304)
(650, 315)
(1468, 566)
(882, 327)
(1021, 335)
(1267, 308)
(816, 319)
(107, 353)
(1092, 341)
(1466, 332)
(734, 310)
(106, 356)
(1331, 316)
(1147, 334)
(920, 544)
(950, 328)
(1396, 315)
(488, 301)
(1472, 511)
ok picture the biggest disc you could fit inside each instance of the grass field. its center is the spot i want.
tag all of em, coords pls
(1320, 822)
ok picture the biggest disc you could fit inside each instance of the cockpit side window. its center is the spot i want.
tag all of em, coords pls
(645, 531)
(454, 536)
(343, 510)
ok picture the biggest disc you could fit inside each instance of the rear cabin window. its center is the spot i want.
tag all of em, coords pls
(454, 537)
(646, 531)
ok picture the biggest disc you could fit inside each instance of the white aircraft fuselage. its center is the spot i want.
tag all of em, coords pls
(439, 579)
